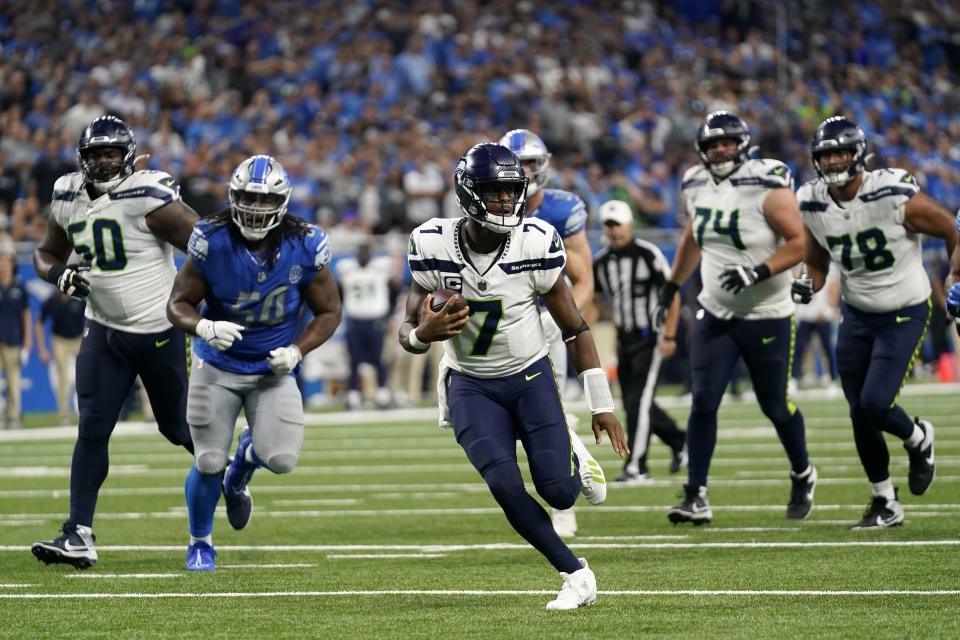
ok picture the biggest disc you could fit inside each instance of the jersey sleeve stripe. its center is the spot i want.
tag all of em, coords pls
(143, 192)
(888, 191)
(811, 205)
(538, 264)
(428, 264)
(66, 196)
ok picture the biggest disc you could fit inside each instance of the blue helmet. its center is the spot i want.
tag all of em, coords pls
(485, 172)
(839, 133)
(721, 125)
(109, 132)
(529, 147)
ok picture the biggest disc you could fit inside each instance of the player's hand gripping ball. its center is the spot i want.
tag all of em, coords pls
(440, 297)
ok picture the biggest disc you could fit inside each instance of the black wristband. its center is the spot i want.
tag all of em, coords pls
(668, 290)
(54, 272)
(763, 271)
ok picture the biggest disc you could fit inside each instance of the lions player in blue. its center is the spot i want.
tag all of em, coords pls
(496, 382)
(124, 224)
(567, 213)
(253, 266)
(870, 223)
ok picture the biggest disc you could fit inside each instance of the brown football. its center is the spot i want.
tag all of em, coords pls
(440, 297)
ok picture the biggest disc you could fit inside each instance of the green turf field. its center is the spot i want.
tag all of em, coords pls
(384, 530)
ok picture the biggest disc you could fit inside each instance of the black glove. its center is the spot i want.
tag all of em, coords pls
(737, 277)
(802, 289)
(667, 292)
(69, 280)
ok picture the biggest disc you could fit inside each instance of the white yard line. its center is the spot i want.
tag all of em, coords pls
(476, 592)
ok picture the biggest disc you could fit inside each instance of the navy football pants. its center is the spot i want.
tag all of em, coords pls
(107, 364)
(489, 416)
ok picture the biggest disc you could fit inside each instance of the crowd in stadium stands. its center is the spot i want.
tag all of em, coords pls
(370, 104)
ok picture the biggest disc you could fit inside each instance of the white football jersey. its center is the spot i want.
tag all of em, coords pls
(366, 289)
(730, 228)
(132, 270)
(504, 334)
(881, 263)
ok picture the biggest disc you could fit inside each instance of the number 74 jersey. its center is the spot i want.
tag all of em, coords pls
(881, 263)
(131, 269)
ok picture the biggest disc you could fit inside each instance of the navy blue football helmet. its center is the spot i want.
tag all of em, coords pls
(721, 125)
(110, 132)
(839, 133)
(484, 174)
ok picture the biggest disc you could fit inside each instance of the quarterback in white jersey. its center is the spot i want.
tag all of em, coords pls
(869, 223)
(123, 223)
(496, 382)
(745, 232)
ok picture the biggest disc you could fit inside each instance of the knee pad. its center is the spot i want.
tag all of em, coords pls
(211, 462)
(281, 462)
(560, 494)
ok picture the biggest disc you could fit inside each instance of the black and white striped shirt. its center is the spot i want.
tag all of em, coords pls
(630, 278)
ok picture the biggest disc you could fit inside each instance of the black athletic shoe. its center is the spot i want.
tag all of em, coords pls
(679, 460)
(695, 507)
(880, 514)
(922, 468)
(801, 495)
(73, 546)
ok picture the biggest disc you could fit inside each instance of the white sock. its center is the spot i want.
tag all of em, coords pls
(805, 473)
(207, 538)
(884, 489)
(916, 438)
(82, 528)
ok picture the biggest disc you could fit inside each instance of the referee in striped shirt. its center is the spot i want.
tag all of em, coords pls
(629, 274)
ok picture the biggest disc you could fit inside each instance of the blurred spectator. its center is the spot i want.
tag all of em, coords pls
(65, 314)
(15, 336)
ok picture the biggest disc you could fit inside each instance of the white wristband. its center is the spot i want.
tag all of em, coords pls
(596, 391)
(415, 342)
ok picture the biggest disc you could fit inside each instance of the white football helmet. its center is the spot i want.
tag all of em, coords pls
(530, 148)
(259, 192)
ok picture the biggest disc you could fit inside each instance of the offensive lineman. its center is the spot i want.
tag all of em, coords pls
(124, 224)
(496, 381)
(567, 213)
(870, 223)
(253, 265)
(746, 233)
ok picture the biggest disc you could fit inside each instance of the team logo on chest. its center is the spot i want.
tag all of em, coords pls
(296, 273)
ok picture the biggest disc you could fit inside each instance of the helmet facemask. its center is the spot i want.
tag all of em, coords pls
(503, 203)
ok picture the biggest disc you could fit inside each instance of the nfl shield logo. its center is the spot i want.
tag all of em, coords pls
(482, 286)
(296, 272)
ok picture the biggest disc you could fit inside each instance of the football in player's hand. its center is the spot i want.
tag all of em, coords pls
(440, 297)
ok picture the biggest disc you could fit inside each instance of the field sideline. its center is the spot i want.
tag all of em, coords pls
(384, 530)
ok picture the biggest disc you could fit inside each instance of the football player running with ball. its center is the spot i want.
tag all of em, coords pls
(870, 223)
(253, 265)
(124, 224)
(496, 383)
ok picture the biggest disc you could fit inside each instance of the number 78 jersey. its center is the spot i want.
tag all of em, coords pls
(504, 334)
(881, 263)
(131, 269)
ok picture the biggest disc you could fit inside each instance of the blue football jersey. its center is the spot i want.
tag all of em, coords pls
(246, 290)
(564, 211)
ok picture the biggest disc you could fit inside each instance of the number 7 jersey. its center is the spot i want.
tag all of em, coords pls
(881, 263)
(504, 334)
(131, 269)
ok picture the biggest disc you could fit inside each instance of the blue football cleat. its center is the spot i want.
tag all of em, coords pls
(200, 557)
(236, 495)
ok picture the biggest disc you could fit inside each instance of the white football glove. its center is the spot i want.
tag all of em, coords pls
(283, 360)
(220, 334)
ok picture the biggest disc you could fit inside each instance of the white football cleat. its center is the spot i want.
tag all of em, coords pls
(565, 522)
(593, 484)
(579, 589)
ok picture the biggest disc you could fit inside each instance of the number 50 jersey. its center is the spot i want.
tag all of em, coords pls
(247, 290)
(504, 334)
(131, 269)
